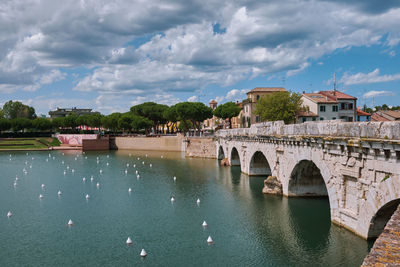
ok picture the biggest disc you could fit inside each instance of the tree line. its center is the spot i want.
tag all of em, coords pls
(145, 118)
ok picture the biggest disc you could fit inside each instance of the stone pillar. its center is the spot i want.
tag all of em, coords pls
(272, 186)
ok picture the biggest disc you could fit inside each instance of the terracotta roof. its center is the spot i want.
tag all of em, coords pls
(213, 102)
(319, 98)
(392, 113)
(304, 113)
(335, 95)
(267, 89)
(362, 113)
(377, 117)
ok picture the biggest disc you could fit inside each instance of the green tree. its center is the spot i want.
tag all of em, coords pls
(279, 106)
(140, 123)
(20, 124)
(152, 111)
(111, 121)
(13, 110)
(171, 116)
(1, 113)
(58, 123)
(94, 120)
(227, 111)
(4, 124)
(42, 124)
(71, 121)
(195, 112)
(125, 122)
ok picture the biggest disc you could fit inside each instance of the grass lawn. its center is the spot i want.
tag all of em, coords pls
(28, 143)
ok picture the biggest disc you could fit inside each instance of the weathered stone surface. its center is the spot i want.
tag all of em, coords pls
(200, 147)
(352, 167)
(386, 250)
(272, 186)
(225, 162)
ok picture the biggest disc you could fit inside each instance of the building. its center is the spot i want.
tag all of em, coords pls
(249, 105)
(328, 105)
(362, 115)
(347, 104)
(214, 122)
(386, 115)
(63, 112)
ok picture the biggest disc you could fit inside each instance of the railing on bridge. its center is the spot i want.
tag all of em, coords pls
(370, 130)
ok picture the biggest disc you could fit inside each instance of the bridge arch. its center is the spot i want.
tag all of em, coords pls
(381, 218)
(259, 164)
(306, 180)
(235, 158)
(221, 154)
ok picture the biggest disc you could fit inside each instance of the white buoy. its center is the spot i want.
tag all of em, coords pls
(67, 167)
(146, 155)
(73, 170)
(130, 190)
(107, 164)
(143, 162)
(70, 222)
(162, 156)
(126, 171)
(30, 166)
(87, 196)
(209, 240)
(138, 176)
(151, 165)
(101, 171)
(98, 184)
(65, 172)
(134, 165)
(91, 179)
(137, 172)
(127, 165)
(198, 201)
(59, 192)
(43, 186)
(40, 196)
(76, 158)
(86, 157)
(16, 178)
(84, 179)
(129, 241)
(62, 162)
(172, 199)
(174, 178)
(204, 224)
(15, 184)
(47, 160)
(9, 214)
(138, 158)
(108, 156)
(143, 253)
(63, 154)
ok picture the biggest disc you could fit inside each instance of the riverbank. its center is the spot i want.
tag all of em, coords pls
(26, 144)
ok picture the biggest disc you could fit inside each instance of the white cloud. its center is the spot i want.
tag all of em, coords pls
(373, 94)
(52, 76)
(194, 98)
(371, 77)
(232, 95)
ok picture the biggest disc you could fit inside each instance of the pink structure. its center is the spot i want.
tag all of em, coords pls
(75, 139)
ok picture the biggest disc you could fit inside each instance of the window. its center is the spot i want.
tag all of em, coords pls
(258, 97)
(321, 119)
(334, 118)
(350, 106)
(314, 119)
(350, 119)
(322, 108)
(304, 119)
(334, 108)
(343, 105)
(257, 118)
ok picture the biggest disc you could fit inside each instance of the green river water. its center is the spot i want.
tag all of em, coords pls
(248, 228)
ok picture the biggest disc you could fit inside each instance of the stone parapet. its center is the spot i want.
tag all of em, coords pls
(371, 130)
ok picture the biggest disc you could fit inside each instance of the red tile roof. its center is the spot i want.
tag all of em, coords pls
(377, 117)
(335, 95)
(267, 89)
(319, 98)
(304, 113)
(362, 113)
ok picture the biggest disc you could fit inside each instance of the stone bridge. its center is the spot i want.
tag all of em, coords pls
(355, 165)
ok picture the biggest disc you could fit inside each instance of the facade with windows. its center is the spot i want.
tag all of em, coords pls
(347, 104)
(247, 115)
(317, 107)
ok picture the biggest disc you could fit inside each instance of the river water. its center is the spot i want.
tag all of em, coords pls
(248, 228)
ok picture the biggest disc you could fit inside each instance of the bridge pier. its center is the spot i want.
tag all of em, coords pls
(359, 175)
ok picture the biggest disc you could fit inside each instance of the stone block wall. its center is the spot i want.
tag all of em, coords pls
(163, 143)
(95, 144)
(201, 148)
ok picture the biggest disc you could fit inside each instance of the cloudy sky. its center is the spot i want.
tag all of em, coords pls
(110, 55)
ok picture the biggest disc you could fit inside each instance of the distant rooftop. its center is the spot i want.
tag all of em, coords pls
(336, 95)
(319, 98)
(267, 89)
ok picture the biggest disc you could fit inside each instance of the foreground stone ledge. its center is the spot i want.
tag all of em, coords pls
(386, 250)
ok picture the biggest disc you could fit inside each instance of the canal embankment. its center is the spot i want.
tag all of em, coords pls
(200, 147)
(157, 143)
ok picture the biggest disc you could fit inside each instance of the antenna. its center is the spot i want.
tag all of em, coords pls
(334, 81)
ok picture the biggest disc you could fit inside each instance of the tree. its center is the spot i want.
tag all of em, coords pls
(195, 112)
(139, 123)
(71, 121)
(171, 116)
(152, 111)
(94, 120)
(227, 111)
(1, 113)
(125, 122)
(20, 124)
(13, 110)
(58, 123)
(42, 124)
(111, 121)
(4, 124)
(279, 106)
